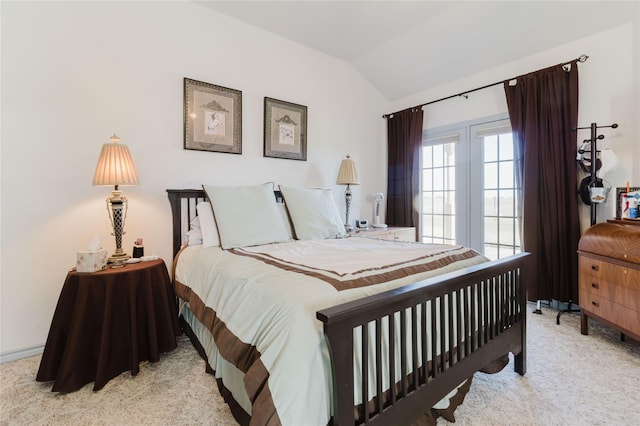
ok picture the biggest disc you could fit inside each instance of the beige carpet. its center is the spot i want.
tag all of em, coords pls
(571, 380)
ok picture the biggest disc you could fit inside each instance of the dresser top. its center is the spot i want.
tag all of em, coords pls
(615, 239)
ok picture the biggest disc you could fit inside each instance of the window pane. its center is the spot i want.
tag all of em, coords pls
(438, 203)
(427, 180)
(427, 202)
(507, 202)
(450, 154)
(506, 251)
(491, 175)
(490, 230)
(438, 156)
(427, 224)
(450, 227)
(438, 226)
(427, 156)
(490, 202)
(507, 234)
(451, 177)
(438, 179)
(506, 174)
(491, 251)
(491, 148)
(506, 146)
(450, 202)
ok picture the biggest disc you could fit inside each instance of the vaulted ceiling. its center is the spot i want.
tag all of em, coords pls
(403, 47)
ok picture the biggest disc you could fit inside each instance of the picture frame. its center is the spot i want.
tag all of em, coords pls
(285, 130)
(619, 192)
(212, 117)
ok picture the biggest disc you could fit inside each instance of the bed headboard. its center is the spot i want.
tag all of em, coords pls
(183, 210)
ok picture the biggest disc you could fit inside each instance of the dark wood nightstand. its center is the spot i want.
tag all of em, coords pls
(107, 322)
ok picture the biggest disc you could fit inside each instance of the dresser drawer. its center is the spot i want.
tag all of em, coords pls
(617, 314)
(624, 296)
(618, 275)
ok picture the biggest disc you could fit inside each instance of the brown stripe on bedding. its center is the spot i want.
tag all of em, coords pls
(381, 277)
(243, 356)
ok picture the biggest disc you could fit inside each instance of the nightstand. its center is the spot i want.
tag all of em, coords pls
(107, 322)
(390, 233)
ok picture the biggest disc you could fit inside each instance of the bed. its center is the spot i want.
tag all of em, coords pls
(291, 327)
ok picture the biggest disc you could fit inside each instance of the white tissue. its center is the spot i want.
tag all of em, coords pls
(95, 244)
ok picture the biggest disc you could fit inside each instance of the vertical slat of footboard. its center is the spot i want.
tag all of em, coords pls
(474, 325)
(364, 355)
(392, 357)
(434, 340)
(403, 353)
(425, 340)
(379, 365)
(414, 347)
(450, 328)
(458, 311)
(443, 336)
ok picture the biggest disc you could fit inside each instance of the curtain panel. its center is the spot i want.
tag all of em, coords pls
(543, 109)
(404, 142)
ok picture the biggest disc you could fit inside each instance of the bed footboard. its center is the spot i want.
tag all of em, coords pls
(453, 325)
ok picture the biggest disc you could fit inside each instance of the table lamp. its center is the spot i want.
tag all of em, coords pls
(348, 175)
(115, 167)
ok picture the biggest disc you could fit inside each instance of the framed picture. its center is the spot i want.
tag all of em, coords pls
(212, 117)
(285, 130)
(621, 203)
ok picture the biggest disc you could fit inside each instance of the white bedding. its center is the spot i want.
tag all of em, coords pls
(260, 304)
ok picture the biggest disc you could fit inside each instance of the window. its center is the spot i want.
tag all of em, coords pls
(469, 190)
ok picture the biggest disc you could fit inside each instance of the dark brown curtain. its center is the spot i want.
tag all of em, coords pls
(404, 140)
(543, 108)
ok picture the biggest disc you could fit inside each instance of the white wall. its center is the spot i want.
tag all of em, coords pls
(609, 92)
(73, 73)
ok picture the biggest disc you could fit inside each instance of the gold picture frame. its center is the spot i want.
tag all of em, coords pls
(285, 130)
(212, 117)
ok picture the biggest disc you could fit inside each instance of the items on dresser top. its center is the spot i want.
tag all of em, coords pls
(609, 270)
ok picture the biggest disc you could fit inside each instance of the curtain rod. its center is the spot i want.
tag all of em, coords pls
(581, 58)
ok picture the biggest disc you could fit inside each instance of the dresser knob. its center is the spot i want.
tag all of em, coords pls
(595, 285)
(595, 267)
(594, 303)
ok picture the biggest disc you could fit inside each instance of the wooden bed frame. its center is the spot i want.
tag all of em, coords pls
(489, 306)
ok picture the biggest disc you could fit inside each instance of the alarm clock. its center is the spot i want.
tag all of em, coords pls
(362, 223)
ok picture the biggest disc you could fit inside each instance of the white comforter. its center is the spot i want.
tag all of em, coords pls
(267, 297)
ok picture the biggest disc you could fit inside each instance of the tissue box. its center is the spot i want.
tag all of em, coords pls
(91, 261)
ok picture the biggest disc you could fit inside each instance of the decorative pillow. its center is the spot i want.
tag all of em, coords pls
(313, 212)
(246, 215)
(194, 237)
(207, 225)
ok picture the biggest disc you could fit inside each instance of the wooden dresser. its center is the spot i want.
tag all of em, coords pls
(609, 269)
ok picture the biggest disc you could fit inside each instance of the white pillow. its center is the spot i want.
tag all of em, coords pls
(194, 237)
(313, 212)
(246, 215)
(207, 225)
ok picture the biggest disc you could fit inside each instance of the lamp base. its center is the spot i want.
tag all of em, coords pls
(117, 260)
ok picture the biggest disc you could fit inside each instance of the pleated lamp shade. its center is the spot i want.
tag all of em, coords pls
(348, 173)
(115, 165)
